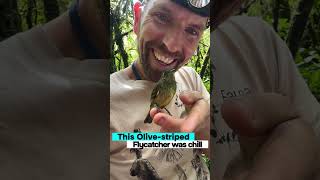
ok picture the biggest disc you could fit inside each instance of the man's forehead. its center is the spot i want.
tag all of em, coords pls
(177, 10)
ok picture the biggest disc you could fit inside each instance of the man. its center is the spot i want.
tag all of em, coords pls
(168, 33)
(53, 99)
(262, 127)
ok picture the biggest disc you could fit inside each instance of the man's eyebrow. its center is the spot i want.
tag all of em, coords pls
(200, 27)
(167, 10)
(162, 8)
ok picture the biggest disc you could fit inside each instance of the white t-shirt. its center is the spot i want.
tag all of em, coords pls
(130, 102)
(249, 57)
(52, 111)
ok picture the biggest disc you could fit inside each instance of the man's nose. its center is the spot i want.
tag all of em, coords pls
(173, 41)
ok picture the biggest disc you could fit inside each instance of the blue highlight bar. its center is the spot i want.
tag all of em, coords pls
(152, 136)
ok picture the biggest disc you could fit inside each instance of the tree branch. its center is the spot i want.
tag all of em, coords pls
(298, 26)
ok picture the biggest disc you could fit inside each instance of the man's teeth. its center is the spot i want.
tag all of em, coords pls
(166, 60)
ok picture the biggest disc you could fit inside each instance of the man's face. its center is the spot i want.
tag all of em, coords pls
(168, 35)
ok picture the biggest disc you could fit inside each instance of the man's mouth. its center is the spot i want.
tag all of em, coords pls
(163, 59)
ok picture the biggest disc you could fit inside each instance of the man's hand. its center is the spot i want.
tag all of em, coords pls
(276, 142)
(197, 118)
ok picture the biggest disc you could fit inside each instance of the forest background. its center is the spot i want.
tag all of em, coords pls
(296, 21)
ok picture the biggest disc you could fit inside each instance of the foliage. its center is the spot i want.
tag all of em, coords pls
(35, 8)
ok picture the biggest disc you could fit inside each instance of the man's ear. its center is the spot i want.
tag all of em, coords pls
(137, 7)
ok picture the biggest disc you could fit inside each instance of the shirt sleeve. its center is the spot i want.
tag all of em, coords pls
(289, 82)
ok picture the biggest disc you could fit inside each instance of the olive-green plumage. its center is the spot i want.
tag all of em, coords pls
(163, 92)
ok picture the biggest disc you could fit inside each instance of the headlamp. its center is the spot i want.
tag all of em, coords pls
(200, 7)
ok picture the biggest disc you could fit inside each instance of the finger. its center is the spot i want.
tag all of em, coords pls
(253, 117)
(290, 152)
(190, 97)
(277, 140)
(197, 118)
(167, 122)
(280, 157)
(153, 112)
(257, 114)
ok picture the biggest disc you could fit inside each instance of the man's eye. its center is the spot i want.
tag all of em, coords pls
(161, 17)
(192, 31)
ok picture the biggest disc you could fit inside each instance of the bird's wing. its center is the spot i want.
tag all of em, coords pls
(155, 92)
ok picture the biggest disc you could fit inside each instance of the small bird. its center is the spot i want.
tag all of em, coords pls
(163, 92)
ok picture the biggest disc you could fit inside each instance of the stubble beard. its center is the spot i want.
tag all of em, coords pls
(144, 55)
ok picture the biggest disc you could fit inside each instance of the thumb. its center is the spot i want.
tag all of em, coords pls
(168, 123)
(273, 138)
(253, 117)
(190, 97)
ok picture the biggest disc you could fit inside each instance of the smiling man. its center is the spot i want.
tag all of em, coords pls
(166, 39)
(168, 33)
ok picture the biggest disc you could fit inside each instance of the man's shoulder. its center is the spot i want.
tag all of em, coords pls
(245, 22)
(119, 79)
(117, 76)
(186, 73)
(32, 44)
(243, 35)
(189, 78)
(19, 36)
(245, 28)
(186, 70)
(12, 44)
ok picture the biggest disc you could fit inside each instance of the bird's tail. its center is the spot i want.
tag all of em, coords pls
(148, 119)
